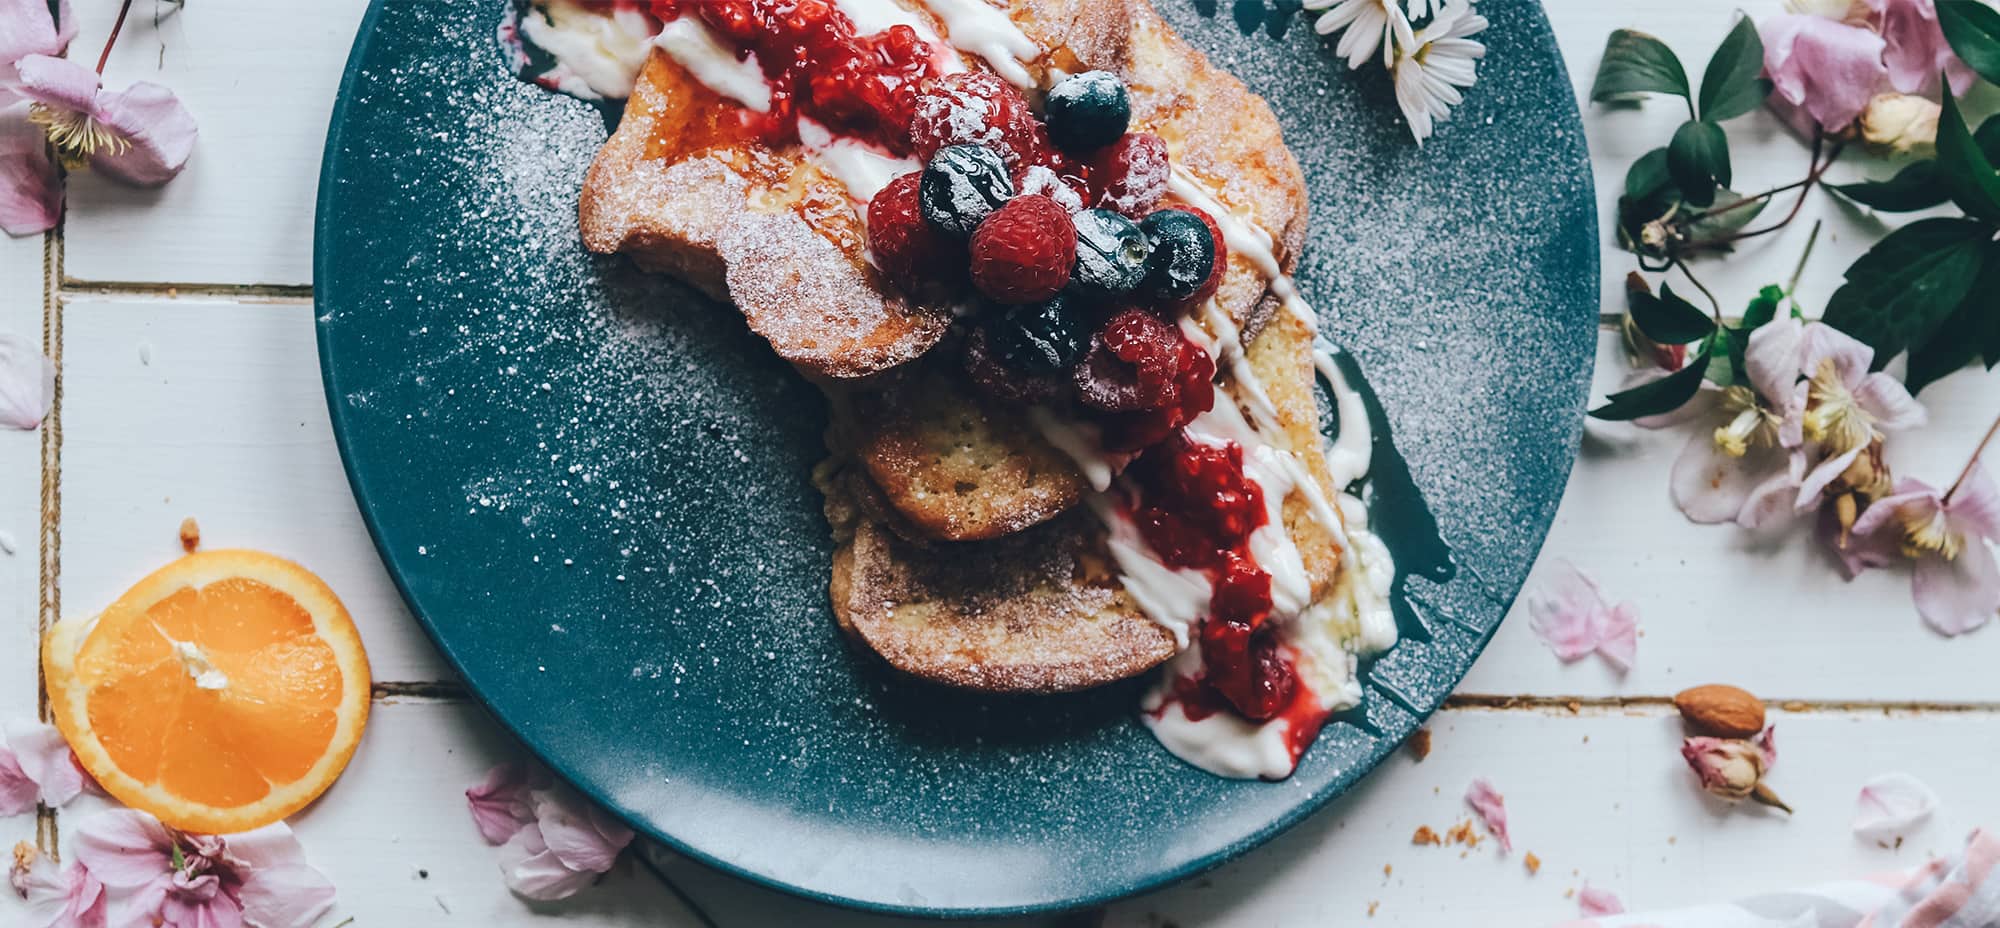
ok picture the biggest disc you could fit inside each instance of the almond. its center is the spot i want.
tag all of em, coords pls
(1723, 711)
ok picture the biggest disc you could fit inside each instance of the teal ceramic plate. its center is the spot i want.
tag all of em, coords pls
(592, 486)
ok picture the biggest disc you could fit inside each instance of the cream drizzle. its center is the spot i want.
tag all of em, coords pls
(1079, 442)
(716, 66)
(978, 28)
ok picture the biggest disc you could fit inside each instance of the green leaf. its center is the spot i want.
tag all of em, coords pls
(1724, 351)
(1668, 319)
(1954, 345)
(1973, 29)
(1915, 187)
(1763, 308)
(1663, 395)
(1723, 220)
(1908, 283)
(1733, 84)
(1636, 63)
(1698, 159)
(1647, 175)
(1965, 170)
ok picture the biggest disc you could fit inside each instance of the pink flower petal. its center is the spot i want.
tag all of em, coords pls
(1711, 487)
(1958, 595)
(1823, 475)
(1828, 68)
(288, 896)
(58, 83)
(500, 805)
(1776, 497)
(534, 872)
(1563, 608)
(1976, 508)
(269, 847)
(1911, 494)
(158, 130)
(1703, 403)
(1862, 552)
(1851, 356)
(200, 902)
(125, 848)
(1917, 51)
(27, 383)
(1492, 809)
(30, 188)
(1598, 903)
(55, 898)
(1892, 806)
(1618, 637)
(582, 836)
(1766, 743)
(1890, 403)
(25, 29)
(18, 791)
(1773, 359)
(47, 760)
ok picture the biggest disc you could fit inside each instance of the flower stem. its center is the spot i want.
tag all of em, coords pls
(1712, 301)
(1792, 286)
(1971, 465)
(116, 27)
(1818, 171)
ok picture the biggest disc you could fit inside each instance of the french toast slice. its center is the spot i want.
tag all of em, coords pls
(685, 189)
(1220, 134)
(1042, 610)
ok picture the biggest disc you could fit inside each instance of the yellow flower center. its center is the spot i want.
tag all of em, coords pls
(1931, 536)
(1750, 426)
(74, 135)
(1833, 418)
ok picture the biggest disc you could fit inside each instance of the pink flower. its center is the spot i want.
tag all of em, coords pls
(1598, 903)
(1846, 406)
(26, 29)
(1743, 463)
(30, 190)
(554, 842)
(27, 382)
(141, 136)
(36, 766)
(1492, 809)
(1569, 614)
(57, 898)
(259, 878)
(1955, 580)
(1917, 51)
(1824, 67)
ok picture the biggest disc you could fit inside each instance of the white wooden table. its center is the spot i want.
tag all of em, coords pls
(184, 325)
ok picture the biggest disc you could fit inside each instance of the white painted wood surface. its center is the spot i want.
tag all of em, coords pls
(208, 404)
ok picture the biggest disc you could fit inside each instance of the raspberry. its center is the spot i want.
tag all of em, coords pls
(973, 108)
(1131, 365)
(1193, 394)
(1023, 252)
(1130, 175)
(914, 256)
(1245, 667)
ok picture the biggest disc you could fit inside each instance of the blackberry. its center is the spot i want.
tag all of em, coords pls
(1111, 253)
(1183, 256)
(1037, 338)
(962, 186)
(1088, 111)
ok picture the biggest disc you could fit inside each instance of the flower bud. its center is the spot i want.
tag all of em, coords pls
(1641, 347)
(1730, 768)
(1901, 123)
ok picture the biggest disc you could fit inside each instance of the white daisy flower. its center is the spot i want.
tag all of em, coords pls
(1370, 25)
(1432, 67)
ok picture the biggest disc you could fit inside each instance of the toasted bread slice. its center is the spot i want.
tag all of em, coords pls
(1218, 132)
(1042, 610)
(684, 189)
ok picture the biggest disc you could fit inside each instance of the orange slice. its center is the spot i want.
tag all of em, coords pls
(222, 693)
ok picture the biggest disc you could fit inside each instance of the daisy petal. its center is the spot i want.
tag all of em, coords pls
(1958, 595)
(1892, 806)
(159, 131)
(1492, 809)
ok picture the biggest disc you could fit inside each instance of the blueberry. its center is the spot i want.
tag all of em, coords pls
(1183, 254)
(1111, 253)
(1088, 111)
(1037, 338)
(962, 186)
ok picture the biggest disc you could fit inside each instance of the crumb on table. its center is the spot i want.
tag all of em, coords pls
(1420, 744)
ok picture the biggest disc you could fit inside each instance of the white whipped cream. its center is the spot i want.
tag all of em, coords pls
(715, 65)
(979, 28)
(1079, 442)
(599, 54)
(860, 167)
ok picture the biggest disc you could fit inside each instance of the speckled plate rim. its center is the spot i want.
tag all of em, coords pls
(1545, 44)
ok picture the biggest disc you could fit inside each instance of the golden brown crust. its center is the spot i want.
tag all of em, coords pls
(685, 194)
